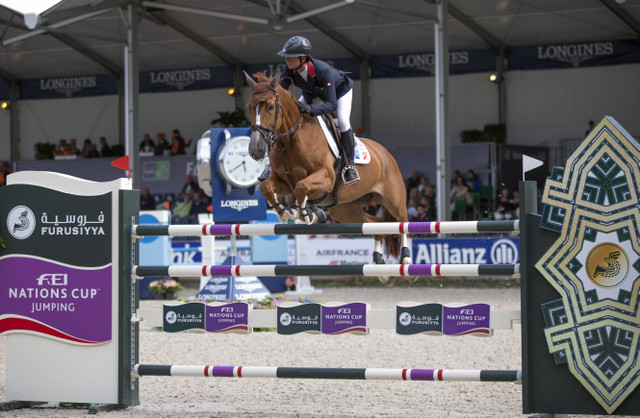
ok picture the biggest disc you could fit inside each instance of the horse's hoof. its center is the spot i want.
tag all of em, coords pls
(377, 258)
(387, 281)
(412, 279)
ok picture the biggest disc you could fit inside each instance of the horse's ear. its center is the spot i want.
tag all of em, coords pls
(250, 81)
(276, 79)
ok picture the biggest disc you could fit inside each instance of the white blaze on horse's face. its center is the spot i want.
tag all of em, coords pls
(258, 114)
(257, 143)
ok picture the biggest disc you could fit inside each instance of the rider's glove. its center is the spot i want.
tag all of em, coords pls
(305, 108)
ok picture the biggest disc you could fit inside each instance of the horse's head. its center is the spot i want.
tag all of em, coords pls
(265, 112)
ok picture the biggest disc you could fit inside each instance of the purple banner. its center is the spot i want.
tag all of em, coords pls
(467, 319)
(54, 300)
(351, 317)
(228, 317)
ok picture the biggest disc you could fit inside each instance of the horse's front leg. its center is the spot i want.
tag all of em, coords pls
(316, 181)
(269, 188)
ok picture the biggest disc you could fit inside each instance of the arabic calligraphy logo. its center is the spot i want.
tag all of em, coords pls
(285, 319)
(171, 317)
(405, 319)
(21, 222)
(607, 265)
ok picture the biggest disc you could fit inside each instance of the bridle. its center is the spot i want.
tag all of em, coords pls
(269, 133)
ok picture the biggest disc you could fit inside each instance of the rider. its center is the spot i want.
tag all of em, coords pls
(324, 90)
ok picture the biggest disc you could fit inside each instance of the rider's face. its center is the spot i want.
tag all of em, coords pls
(295, 63)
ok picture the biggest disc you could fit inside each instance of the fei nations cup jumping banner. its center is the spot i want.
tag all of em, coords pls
(59, 288)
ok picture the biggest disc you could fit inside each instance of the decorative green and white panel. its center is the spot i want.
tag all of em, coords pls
(595, 263)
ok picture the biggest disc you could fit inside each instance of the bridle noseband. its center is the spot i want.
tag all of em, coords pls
(269, 133)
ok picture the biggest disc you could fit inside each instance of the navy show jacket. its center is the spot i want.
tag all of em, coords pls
(323, 81)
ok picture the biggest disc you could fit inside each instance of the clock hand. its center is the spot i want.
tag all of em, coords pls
(238, 166)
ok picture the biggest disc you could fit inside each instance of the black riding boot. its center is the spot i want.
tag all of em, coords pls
(349, 173)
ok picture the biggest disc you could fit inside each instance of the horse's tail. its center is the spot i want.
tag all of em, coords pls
(391, 242)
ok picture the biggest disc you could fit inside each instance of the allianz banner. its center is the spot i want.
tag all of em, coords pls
(586, 54)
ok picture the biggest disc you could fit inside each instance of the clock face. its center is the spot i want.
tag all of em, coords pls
(236, 165)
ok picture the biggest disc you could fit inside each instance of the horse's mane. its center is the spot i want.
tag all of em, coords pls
(263, 90)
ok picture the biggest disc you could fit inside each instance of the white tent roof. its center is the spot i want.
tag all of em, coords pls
(79, 37)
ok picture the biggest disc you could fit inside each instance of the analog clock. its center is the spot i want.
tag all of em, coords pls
(236, 166)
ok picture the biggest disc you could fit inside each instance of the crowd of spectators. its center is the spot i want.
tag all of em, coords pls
(70, 148)
(189, 202)
(467, 198)
(161, 145)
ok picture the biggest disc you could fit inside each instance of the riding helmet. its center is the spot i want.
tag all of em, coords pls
(296, 46)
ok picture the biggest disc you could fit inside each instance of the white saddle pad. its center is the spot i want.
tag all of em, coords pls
(361, 154)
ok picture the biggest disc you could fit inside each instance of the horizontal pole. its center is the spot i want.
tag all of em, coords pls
(382, 228)
(329, 373)
(368, 270)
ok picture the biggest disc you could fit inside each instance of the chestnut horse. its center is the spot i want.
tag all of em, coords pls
(303, 165)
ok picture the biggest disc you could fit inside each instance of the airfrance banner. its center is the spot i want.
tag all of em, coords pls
(185, 80)
(585, 54)
(423, 63)
(69, 87)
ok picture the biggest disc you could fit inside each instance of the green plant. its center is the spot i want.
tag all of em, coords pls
(161, 287)
(235, 119)
(471, 135)
(495, 133)
(44, 150)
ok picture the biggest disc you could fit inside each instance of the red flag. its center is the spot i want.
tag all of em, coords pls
(167, 205)
(122, 164)
(210, 208)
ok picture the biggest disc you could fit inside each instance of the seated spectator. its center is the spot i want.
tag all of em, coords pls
(161, 145)
(86, 147)
(430, 194)
(412, 207)
(424, 183)
(430, 206)
(147, 202)
(147, 144)
(506, 205)
(199, 205)
(182, 210)
(421, 215)
(178, 144)
(73, 147)
(93, 151)
(191, 187)
(61, 148)
(474, 182)
(413, 181)
(105, 149)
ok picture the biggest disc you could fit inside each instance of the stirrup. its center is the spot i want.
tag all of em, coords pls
(355, 171)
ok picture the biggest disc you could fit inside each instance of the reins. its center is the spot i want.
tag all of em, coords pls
(269, 133)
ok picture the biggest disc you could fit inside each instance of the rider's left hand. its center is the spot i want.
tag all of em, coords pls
(305, 108)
